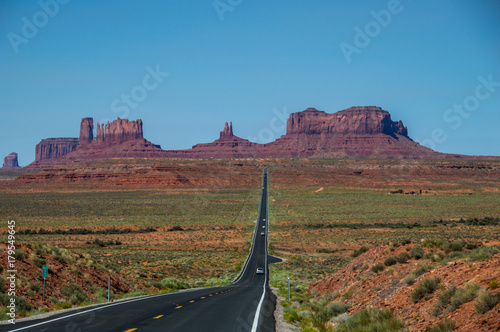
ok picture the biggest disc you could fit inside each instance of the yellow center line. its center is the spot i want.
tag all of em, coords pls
(178, 307)
(159, 316)
(202, 297)
(191, 301)
(130, 330)
(210, 295)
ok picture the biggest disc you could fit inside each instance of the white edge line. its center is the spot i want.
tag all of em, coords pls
(98, 308)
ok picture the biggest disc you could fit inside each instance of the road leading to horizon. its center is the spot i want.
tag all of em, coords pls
(243, 305)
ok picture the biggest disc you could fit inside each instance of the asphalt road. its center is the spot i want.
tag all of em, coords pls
(227, 308)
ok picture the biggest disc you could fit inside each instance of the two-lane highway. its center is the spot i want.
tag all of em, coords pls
(238, 306)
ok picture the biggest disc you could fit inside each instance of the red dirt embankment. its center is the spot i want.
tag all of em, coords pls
(357, 285)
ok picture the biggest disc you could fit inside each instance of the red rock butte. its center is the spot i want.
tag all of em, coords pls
(356, 132)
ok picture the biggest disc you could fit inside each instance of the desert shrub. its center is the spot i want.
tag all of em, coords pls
(446, 325)
(457, 245)
(360, 251)
(75, 293)
(62, 305)
(323, 313)
(485, 302)
(483, 253)
(22, 304)
(35, 286)
(435, 256)
(424, 289)
(410, 279)
(493, 284)
(464, 295)
(389, 261)
(371, 319)
(3, 288)
(379, 267)
(422, 269)
(434, 243)
(172, 283)
(443, 300)
(39, 262)
(417, 252)
(19, 255)
(402, 257)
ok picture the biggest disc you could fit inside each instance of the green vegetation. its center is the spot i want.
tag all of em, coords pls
(425, 289)
(464, 295)
(486, 302)
(446, 325)
(371, 319)
(359, 251)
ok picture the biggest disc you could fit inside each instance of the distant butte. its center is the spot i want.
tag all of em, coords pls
(356, 132)
(10, 162)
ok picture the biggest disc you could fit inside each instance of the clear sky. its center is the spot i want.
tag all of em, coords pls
(185, 67)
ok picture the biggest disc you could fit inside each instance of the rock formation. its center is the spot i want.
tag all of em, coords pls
(53, 148)
(355, 120)
(227, 132)
(356, 132)
(121, 130)
(10, 162)
(86, 131)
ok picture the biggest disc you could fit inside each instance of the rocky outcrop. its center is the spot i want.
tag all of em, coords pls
(121, 130)
(356, 132)
(355, 120)
(10, 162)
(53, 148)
(227, 132)
(86, 131)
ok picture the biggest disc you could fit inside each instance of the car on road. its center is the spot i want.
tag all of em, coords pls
(262, 233)
(264, 226)
(259, 270)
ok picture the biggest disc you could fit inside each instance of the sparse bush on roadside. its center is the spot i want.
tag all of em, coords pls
(425, 289)
(371, 319)
(379, 267)
(446, 325)
(359, 251)
(62, 305)
(493, 284)
(464, 295)
(486, 302)
(389, 261)
(417, 252)
(443, 300)
(75, 293)
(39, 262)
(19, 255)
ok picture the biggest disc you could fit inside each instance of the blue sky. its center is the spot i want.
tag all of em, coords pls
(248, 62)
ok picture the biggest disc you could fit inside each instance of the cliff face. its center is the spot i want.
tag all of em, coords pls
(356, 132)
(10, 162)
(53, 148)
(355, 120)
(121, 130)
(86, 131)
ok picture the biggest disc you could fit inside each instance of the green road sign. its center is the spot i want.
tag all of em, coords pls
(45, 269)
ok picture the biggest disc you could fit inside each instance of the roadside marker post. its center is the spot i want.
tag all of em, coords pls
(45, 273)
(288, 289)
